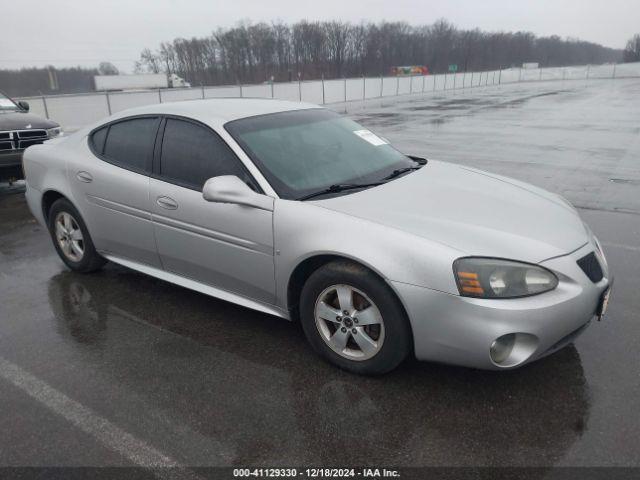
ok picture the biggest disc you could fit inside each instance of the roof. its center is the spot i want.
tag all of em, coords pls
(219, 110)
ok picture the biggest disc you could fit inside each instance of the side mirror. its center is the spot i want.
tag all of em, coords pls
(230, 189)
(24, 105)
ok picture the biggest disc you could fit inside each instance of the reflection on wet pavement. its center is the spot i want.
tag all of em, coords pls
(253, 385)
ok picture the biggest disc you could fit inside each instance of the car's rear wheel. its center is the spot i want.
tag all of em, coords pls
(71, 238)
(353, 319)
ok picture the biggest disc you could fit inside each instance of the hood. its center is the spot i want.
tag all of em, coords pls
(20, 120)
(471, 211)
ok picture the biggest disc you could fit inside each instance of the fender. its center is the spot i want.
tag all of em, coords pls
(303, 230)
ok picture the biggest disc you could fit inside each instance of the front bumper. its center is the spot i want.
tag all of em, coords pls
(460, 330)
(11, 158)
(11, 164)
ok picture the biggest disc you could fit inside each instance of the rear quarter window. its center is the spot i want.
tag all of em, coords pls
(97, 139)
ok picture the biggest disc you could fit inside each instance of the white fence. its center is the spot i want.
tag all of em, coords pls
(75, 110)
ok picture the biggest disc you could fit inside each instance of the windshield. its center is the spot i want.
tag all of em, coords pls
(305, 151)
(6, 103)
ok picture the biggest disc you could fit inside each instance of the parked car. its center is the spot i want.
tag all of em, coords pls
(20, 129)
(296, 211)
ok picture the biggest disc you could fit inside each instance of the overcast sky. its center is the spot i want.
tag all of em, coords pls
(85, 32)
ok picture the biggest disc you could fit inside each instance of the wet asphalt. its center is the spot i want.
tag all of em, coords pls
(119, 369)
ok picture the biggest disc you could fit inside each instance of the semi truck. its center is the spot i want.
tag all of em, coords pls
(138, 82)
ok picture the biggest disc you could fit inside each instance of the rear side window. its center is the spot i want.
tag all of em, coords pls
(97, 139)
(192, 154)
(130, 143)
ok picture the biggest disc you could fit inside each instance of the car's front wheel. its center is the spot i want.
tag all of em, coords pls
(71, 238)
(353, 319)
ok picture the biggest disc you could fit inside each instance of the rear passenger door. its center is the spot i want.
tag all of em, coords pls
(222, 245)
(111, 186)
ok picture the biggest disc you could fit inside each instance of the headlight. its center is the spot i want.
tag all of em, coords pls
(495, 278)
(54, 132)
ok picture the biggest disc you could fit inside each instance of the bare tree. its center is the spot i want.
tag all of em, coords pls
(337, 35)
(632, 50)
(149, 62)
(107, 68)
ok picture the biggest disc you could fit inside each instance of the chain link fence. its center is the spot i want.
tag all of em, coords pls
(76, 110)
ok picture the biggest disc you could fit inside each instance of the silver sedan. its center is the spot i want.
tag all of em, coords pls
(296, 211)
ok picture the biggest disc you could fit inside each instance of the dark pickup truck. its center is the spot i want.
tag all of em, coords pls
(20, 129)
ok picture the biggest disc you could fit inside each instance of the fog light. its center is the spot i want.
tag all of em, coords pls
(513, 349)
(501, 348)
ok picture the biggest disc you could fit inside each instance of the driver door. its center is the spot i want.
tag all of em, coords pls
(222, 245)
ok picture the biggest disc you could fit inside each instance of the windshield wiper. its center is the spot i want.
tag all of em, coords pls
(418, 160)
(339, 187)
(400, 171)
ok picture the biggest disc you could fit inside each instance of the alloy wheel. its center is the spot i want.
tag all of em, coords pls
(349, 322)
(69, 236)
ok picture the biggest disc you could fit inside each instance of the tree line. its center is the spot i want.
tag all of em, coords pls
(44, 81)
(262, 52)
(259, 52)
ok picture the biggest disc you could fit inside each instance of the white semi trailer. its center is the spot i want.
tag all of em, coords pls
(138, 82)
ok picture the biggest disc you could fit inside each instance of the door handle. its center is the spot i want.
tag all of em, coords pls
(167, 202)
(84, 177)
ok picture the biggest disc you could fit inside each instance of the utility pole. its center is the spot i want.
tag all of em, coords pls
(364, 88)
(345, 92)
(44, 104)
(108, 102)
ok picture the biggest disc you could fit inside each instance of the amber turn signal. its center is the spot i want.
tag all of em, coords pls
(469, 283)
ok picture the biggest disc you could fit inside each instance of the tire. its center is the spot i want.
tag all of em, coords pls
(370, 348)
(75, 249)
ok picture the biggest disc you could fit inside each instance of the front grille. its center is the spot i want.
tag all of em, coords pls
(591, 267)
(32, 134)
(21, 139)
(27, 143)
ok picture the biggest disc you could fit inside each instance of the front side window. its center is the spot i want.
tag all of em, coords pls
(192, 154)
(7, 104)
(130, 143)
(303, 151)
